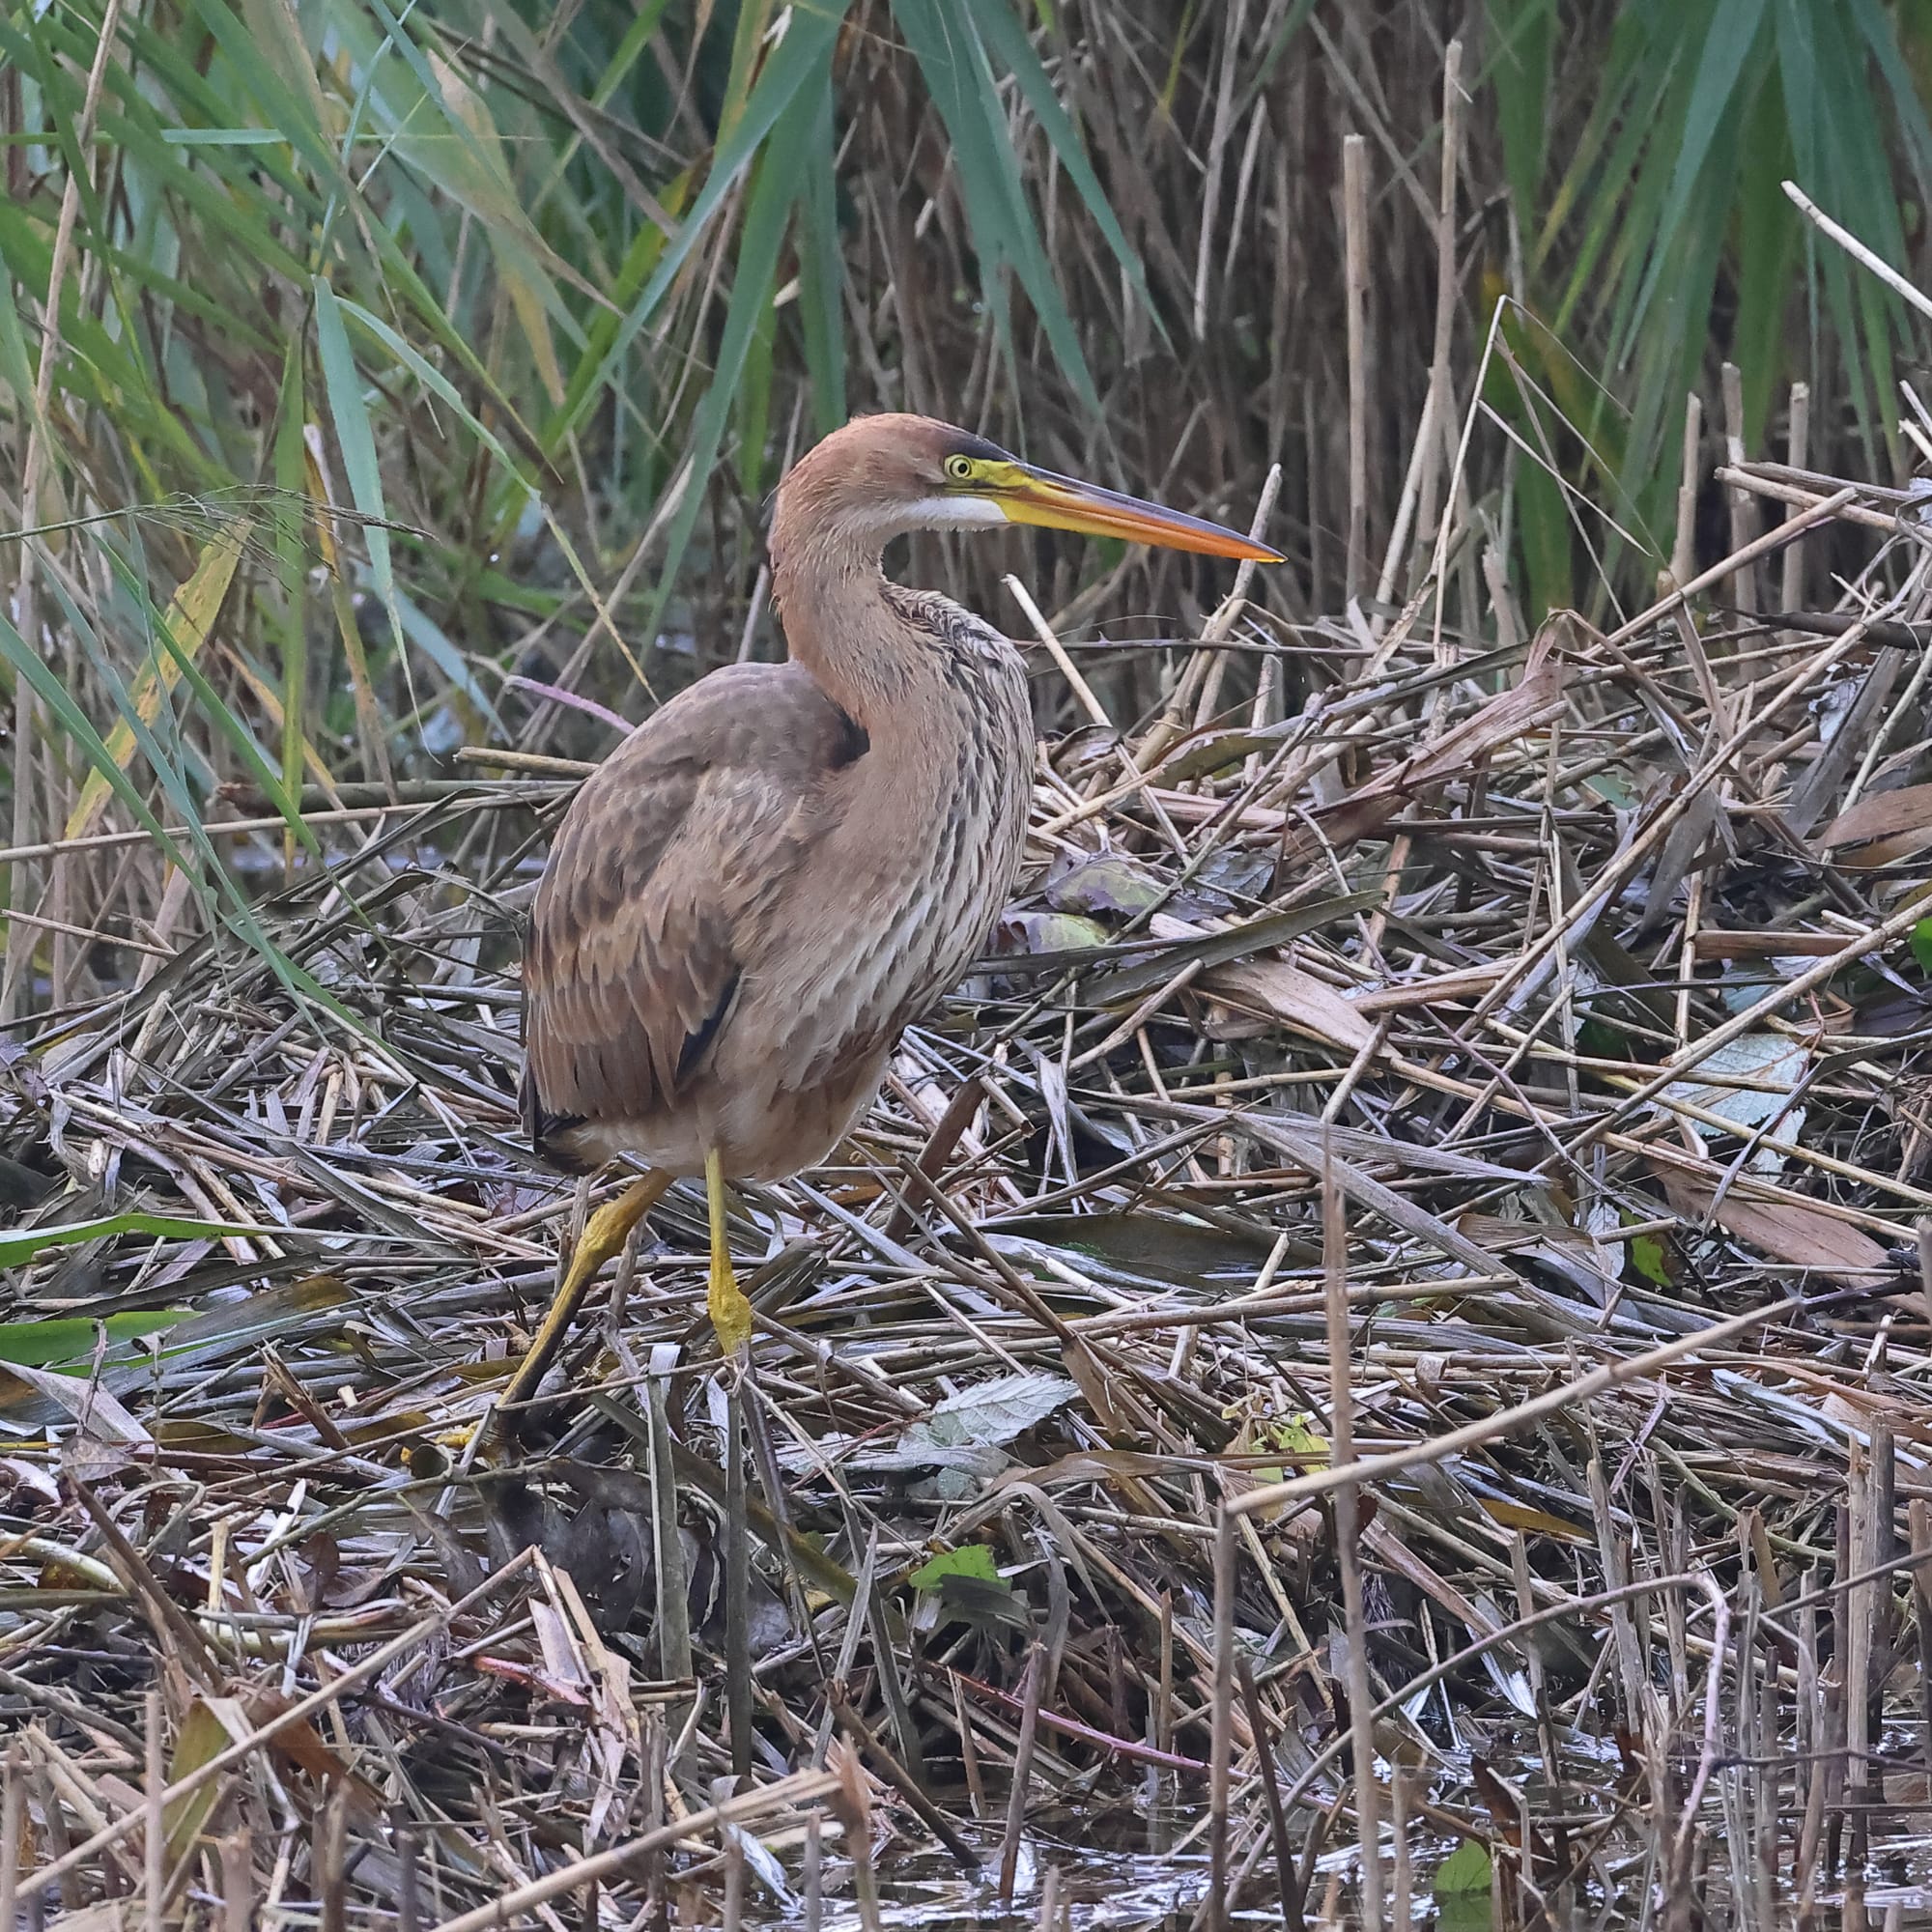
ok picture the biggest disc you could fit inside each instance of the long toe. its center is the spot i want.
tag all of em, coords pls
(731, 1312)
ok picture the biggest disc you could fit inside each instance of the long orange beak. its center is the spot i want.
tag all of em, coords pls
(1025, 494)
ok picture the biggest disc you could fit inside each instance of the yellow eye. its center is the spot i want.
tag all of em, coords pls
(959, 469)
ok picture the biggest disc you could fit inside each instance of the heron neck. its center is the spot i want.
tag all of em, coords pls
(832, 601)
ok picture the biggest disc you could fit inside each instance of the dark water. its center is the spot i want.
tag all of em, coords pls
(1103, 1890)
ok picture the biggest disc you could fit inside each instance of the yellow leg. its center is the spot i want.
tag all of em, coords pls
(604, 1235)
(731, 1312)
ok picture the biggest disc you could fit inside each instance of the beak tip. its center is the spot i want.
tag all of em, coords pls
(1063, 503)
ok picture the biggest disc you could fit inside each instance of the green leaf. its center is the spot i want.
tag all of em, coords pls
(971, 1559)
(20, 1245)
(1465, 1869)
(1518, 73)
(41, 1345)
(1734, 34)
(229, 1329)
(431, 377)
(767, 208)
(291, 414)
(1651, 1259)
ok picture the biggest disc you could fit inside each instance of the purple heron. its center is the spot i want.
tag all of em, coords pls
(785, 863)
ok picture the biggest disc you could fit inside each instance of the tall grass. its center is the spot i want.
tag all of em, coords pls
(362, 366)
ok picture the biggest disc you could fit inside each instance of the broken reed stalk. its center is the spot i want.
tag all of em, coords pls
(1402, 1879)
(1884, 1607)
(859, 1845)
(1221, 1745)
(737, 1583)
(1347, 1541)
(1862, 1614)
(1016, 1797)
(328, 1860)
(1798, 445)
(733, 1906)
(154, 1832)
(1846, 1671)
(1051, 1906)
(1355, 274)
(403, 1838)
(1440, 410)
(1163, 1787)
(1287, 1876)
(1744, 512)
(237, 1887)
(1684, 550)
(812, 1874)
(1918, 1520)
(12, 1810)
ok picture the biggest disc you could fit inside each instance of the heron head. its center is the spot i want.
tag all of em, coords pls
(881, 477)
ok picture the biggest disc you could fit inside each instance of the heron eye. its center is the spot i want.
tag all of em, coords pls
(959, 469)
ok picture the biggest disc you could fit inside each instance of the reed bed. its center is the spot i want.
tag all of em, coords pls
(1374, 1355)
(1371, 1362)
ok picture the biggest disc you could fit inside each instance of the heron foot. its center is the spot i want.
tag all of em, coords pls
(603, 1236)
(731, 1312)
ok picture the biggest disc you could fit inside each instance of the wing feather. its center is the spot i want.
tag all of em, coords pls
(659, 871)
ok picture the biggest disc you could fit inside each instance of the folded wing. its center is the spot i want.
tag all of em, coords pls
(664, 880)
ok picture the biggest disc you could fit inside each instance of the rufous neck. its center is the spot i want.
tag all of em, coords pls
(831, 599)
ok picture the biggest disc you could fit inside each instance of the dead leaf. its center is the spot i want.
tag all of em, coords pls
(203, 1736)
(97, 1411)
(1087, 1465)
(304, 1747)
(1276, 989)
(1788, 1230)
(1902, 820)
(1531, 1521)
(1297, 1000)
(1109, 882)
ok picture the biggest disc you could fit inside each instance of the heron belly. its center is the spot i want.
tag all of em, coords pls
(761, 1131)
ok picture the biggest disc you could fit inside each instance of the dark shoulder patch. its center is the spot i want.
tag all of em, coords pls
(542, 1126)
(853, 743)
(697, 1043)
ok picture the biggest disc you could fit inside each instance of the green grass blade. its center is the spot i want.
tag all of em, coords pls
(1725, 70)
(1007, 41)
(356, 440)
(809, 38)
(21, 1246)
(767, 209)
(946, 42)
(821, 264)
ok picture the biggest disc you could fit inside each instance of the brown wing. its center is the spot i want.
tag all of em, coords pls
(670, 851)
